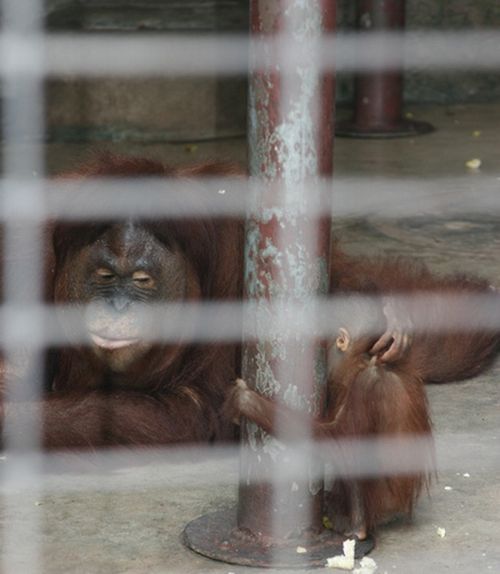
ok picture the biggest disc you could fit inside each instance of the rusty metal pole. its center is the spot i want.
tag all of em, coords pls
(291, 118)
(287, 255)
(378, 108)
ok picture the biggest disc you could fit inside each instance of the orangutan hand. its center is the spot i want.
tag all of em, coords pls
(397, 338)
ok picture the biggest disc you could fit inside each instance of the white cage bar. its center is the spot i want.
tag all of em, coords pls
(28, 56)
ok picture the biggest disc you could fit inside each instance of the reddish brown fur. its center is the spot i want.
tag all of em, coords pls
(365, 400)
(461, 353)
(371, 399)
(171, 400)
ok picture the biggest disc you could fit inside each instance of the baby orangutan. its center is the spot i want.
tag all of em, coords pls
(370, 397)
(366, 398)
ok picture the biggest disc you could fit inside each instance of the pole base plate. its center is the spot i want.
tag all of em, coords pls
(217, 536)
(403, 129)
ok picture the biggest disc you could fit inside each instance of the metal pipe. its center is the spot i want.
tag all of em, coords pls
(286, 259)
(378, 108)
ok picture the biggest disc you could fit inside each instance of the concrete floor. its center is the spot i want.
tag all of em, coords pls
(111, 516)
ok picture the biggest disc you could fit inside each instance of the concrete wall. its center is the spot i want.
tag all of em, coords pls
(199, 108)
(159, 15)
(154, 109)
(439, 15)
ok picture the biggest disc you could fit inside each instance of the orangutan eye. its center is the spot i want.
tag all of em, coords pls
(143, 279)
(105, 274)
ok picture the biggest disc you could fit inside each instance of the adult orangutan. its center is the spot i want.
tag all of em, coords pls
(119, 388)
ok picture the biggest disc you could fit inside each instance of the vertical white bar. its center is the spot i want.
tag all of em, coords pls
(23, 129)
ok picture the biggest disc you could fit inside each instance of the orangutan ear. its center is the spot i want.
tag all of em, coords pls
(343, 340)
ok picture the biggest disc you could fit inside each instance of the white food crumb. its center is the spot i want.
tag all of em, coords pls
(368, 566)
(340, 562)
(301, 550)
(473, 163)
(466, 475)
(448, 488)
(441, 532)
(221, 191)
(343, 561)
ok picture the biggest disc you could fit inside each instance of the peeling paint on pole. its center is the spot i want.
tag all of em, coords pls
(286, 253)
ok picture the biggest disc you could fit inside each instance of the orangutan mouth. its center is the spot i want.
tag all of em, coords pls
(110, 343)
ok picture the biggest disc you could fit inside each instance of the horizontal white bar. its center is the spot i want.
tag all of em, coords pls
(198, 466)
(236, 197)
(150, 55)
(38, 326)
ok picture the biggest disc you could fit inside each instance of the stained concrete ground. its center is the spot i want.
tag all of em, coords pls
(111, 517)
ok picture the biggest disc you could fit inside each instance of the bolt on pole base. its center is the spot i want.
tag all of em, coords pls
(404, 128)
(217, 536)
